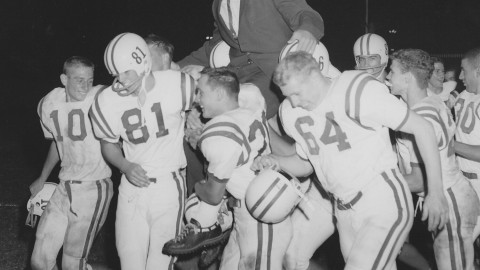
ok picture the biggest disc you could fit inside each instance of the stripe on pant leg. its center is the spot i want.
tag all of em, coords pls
(394, 227)
(258, 260)
(91, 227)
(104, 207)
(451, 248)
(458, 221)
(409, 214)
(269, 247)
(181, 200)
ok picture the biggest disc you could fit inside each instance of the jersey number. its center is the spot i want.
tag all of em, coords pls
(252, 135)
(138, 133)
(75, 118)
(462, 119)
(332, 133)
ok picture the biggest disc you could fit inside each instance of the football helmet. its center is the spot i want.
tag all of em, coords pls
(320, 54)
(371, 45)
(220, 55)
(272, 196)
(37, 204)
(126, 52)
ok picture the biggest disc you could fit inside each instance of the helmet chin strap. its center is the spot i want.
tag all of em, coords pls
(375, 74)
(125, 90)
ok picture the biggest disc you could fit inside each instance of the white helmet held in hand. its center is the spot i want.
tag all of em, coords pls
(37, 204)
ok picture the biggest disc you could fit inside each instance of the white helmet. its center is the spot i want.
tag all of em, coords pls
(371, 45)
(220, 55)
(37, 204)
(272, 196)
(125, 52)
(320, 54)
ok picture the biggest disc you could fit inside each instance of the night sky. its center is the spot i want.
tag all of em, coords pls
(38, 35)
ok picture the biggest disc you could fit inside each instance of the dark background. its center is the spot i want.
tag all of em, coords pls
(36, 36)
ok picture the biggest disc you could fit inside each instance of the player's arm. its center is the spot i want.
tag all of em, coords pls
(415, 179)
(306, 23)
(293, 164)
(211, 190)
(134, 172)
(435, 206)
(468, 151)
(51, 160)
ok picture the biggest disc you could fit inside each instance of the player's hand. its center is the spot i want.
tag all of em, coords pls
(193, 70)
(306, 41)
(174, 66)
(265, 162)
(136, 175)
(192, 136)
(193, 120)
(36, 186)
(435, 208)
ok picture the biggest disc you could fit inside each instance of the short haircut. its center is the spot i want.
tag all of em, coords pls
(437, 60)
(473, 57)
(77, 61)
(160, 42)
(223, 78)
(295, 64)
(416, 61)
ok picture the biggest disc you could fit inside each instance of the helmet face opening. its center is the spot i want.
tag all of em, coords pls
(129, 85)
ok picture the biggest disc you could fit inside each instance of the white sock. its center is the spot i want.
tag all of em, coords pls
(206, 214)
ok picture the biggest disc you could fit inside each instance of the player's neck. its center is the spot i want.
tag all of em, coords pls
(435, 89)
(149, 82)
(415, 95)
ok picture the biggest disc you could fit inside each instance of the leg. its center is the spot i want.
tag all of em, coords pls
(374, 229)
(51, 231)
(453, 245)
(89, 208)
(166, 205)
(131, 227)
(311, 227)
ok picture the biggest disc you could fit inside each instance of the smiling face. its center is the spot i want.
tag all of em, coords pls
(78, 81)
(438, 75)
(208, 98)
(397, 78)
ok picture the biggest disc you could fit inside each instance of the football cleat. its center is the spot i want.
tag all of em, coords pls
(193, 238)
(209, 256)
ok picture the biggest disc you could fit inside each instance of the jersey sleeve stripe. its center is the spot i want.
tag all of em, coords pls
(211, 176)
(414, 164)
(40, 108)
(192, 92)
(97, 123)
(95, 110)
(358, 93)
(221, 133)
(184, 90)
(404, 120)
(442, 143)
(230, 125)
(476, 111)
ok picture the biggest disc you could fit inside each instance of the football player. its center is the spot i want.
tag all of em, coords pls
(145, 110)
(341, 129)
(409, 75)
(78, 208)
(467, 114)
(230, 141)
(371, 55)
(161, 51)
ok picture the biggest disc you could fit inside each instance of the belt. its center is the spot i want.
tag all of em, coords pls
(473, 176)
(345, 206)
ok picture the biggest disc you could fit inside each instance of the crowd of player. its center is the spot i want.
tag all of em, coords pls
(362, 142)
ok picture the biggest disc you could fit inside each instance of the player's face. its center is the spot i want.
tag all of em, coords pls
(302, 92)
(78, 81)
(368, 62)
(207, 98)
(450, 76)
(438, 75)
(160, 59)
(397, 78)
(469, 76)
(130, 80)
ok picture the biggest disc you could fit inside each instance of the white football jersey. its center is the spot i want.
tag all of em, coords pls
(467, 117)
(230, 142)
(434, 110)
(346, 136)
(152, 134)
(68, 124)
